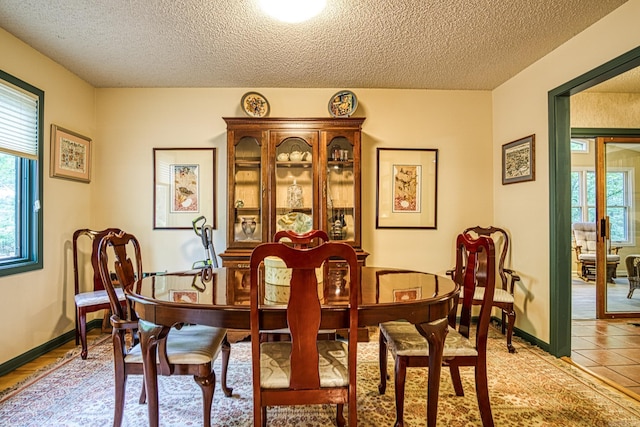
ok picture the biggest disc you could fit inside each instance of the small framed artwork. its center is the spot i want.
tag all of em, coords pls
(184, 186)
(518, 160)
(407, 188)
(70, 155)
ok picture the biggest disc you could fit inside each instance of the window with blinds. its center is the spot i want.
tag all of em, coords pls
(21, 112)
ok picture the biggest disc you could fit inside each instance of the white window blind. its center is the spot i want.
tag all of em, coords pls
(18, 122)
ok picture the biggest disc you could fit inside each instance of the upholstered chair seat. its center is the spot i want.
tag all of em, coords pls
(275, 364)
(87, 299)
(403, 339)
(189, 345)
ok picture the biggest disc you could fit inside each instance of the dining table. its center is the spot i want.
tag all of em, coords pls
(219, 297)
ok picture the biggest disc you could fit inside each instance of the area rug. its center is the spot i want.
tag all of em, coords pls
(528, 388)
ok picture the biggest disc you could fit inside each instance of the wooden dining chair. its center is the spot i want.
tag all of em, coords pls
(475, 263)
(304, 370)
(297, 241)
(95, 299)
(181, 350)
(302, 240)
(506, 279)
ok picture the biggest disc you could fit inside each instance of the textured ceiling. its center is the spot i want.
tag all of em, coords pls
(432, 44)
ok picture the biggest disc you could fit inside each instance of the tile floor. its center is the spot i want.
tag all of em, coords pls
(610, 349)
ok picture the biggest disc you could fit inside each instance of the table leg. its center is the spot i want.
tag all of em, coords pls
(148, 344)
(435, 332)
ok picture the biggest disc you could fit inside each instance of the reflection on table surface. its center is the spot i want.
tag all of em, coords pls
(230, 287)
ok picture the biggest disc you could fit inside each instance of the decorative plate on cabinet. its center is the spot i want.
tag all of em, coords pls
(343, 104)
(254, 104)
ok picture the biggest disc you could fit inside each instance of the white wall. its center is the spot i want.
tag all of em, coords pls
(520, 109)
(38, 306)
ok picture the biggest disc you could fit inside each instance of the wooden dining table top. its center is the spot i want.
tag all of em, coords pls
(205, 296)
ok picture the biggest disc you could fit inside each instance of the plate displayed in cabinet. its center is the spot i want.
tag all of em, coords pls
(255, 105)
(343, 104)
(295, 221)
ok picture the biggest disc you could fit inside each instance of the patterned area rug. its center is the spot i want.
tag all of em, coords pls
(529, 388)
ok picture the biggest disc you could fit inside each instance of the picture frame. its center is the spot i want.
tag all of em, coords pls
(518, 160)
(407, 187)
(183, 187)
(70, 155)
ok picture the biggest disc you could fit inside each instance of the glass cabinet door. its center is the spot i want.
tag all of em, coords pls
(295, 183)
(340, 189)
(246, 187)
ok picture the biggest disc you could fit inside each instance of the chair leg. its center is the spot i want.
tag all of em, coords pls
(482, 391)
(264, 416)
(382, 349)
(143, 394)
(120, 384)
(400, 376)
(456, 380)
(511, 315)
(226, 351)
(82, 323)
(340, 415)
(207, 384)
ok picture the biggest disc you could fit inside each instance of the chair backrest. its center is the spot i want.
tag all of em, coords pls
(471, 269)
(585, 236)
(126, 271)
(301, 240)
(303, 309)
(95, 236)
(500, 240)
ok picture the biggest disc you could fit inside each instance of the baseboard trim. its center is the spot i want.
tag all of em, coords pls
(525, 336)
(36, 352)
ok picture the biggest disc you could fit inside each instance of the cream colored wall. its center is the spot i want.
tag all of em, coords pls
(38, 306)
(131, 122)
(605, 110)
(520, 108)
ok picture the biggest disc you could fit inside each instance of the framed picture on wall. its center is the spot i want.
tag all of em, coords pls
(70, 155)
(183, 186)
(407, 188)
(518, 160)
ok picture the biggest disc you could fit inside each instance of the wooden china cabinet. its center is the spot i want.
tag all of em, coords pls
(290, 173)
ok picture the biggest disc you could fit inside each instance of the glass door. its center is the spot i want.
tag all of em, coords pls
(617, 213)
(294, 192)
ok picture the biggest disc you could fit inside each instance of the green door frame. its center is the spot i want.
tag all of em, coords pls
(560, 195)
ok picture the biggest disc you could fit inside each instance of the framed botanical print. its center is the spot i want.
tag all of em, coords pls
(184, 186)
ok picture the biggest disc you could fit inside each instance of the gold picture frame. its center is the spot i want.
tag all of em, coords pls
(70, 155)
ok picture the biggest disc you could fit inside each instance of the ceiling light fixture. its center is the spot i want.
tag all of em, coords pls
(293, 10)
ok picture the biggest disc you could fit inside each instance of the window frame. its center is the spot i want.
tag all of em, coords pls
(29, 191)
(630, 177)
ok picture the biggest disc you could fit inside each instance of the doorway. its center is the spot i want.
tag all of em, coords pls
(560, 194)
(614, 185)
